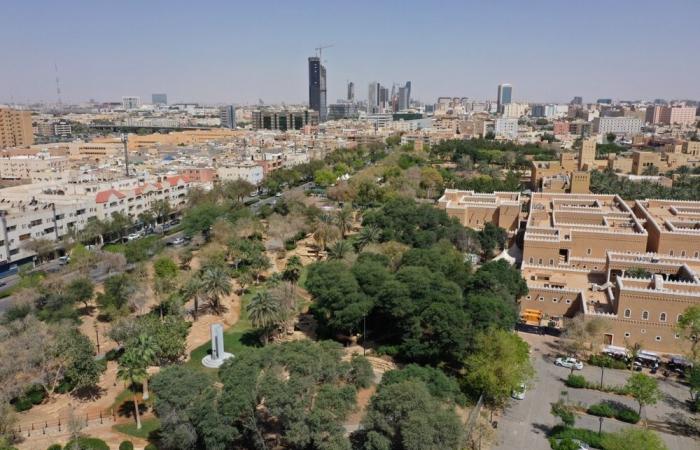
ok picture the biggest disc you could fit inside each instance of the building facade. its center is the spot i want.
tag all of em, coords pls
(15, 128)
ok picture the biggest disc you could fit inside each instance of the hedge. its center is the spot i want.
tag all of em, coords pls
(576, 381)
(620, 412)
(588, 436)
(88, 443)
(600, 360)
(126, 445)
(54, 447)
(580, 382)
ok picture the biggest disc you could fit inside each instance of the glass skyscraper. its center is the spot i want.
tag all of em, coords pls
(505, 93)
(317, 87)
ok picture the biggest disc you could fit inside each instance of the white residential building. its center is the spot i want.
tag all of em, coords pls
(617, 125)
(507, 128)
(249, 171)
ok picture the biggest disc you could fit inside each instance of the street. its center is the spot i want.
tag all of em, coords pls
(525, 423)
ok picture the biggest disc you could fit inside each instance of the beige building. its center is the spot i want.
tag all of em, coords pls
(15, 128)
(27, 167)
(475, 210)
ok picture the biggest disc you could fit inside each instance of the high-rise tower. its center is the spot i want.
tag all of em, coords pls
(317, 87)
(505, 94)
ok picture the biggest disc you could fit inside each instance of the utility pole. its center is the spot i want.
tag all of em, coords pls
(125, 140)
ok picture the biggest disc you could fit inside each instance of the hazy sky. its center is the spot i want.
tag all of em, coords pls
(239, 51)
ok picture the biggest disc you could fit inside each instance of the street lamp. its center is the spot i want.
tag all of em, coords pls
(97, 338)
(364, 333)
(600, 425)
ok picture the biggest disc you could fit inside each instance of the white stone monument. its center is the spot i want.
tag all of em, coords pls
(218, 355)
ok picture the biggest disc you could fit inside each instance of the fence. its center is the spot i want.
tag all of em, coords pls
(63, 422)
(471, 422)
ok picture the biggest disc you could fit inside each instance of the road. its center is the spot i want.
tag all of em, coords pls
(525, 423)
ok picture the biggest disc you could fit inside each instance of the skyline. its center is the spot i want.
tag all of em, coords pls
(445, 51)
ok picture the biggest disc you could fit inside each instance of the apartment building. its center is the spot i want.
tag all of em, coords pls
(671, 115)
(15, 128)
(53, 210)
(628, 126)
(27, 166)
(250, 171)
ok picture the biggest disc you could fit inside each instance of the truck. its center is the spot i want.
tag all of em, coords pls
(535, 321)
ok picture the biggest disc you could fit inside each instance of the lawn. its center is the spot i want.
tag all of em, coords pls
(149, 427)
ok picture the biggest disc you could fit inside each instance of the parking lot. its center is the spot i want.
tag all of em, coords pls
(525, 423)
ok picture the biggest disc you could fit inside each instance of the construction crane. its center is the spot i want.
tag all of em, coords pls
(320, 48)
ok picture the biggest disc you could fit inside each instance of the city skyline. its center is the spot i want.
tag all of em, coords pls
(199, 65)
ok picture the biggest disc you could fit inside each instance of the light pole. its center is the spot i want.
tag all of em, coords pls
(364, 333)
(97, 338)
(125, 140)
(600, 425)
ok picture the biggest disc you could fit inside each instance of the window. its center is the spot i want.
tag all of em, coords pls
(676, 336)
(540, 261)
(662, 317)
(643, 331)
(554, 300)
(628, 313)
(645, 315)
(532, 260)
(678, 319)
(697, 254)
(682, 252)
(588, 251)
(657, 338)
(627, 334)
(567, 301)
(551, 262)
(541, 299)
(670, 252)
(529, 297)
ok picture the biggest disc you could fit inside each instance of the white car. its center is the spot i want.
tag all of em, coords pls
(519, 394)
(133, 236)
(569, 362)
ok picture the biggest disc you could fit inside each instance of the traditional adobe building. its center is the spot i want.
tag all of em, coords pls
(475, 210)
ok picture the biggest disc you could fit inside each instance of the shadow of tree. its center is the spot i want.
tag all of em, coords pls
(540, 428)
(676, 423)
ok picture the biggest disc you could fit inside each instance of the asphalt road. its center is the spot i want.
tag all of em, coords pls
(525, 423)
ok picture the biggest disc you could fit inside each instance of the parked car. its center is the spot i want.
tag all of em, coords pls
(133, 236)
(63, 260)
(569, 362)
(519, 394)
(176, 241)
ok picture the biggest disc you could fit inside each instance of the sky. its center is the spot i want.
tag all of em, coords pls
(242, 51)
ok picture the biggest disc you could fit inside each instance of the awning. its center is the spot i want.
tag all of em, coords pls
(649, 356)
(614, 350)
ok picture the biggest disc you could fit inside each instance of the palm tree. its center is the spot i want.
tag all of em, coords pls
(264, 312)
(323, 234)
(339, 250)
(147, 349)
(343, 219)
(366, 236)
(132, 370)
(292, 270)
(194, 289)
(216, 283)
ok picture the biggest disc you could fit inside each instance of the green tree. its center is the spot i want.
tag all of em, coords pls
(160, 210)
(367, 235)
(689, 328)
(404, 415)
(81, 290)
(644, 389)
(216, 282)
(343, 220)
(324, 177)
(145, 348)
(292, 270)
(564, 412)
(132, 370)
(339, 250)
(118, 289)
(499, 365)
(264, 311)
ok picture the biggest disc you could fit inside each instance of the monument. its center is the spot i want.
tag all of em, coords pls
(218, 355)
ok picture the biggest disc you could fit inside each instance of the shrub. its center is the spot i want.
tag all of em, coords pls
(627, 415)
(88, 443)
(150, 447)
(602, 409)
(603, 360)
(588, 436)
(54, 447)
(576, 381)
(126, 445)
